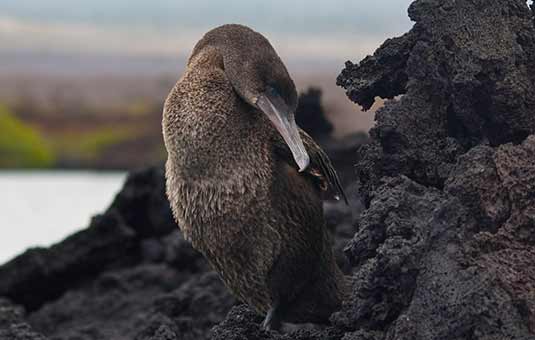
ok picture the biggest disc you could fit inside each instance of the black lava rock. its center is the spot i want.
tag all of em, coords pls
(465, 76)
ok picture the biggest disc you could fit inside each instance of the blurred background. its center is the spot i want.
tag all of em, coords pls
(82, 85)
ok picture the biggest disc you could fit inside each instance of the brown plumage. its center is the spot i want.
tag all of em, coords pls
(245, 184)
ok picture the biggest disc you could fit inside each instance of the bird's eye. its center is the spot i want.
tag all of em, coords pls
(271, 90)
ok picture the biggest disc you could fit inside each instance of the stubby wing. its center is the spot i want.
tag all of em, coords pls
(320, 169)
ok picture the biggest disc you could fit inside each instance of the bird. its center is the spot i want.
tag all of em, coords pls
(246, 184)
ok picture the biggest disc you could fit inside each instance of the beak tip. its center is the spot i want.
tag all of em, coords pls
(303, 163)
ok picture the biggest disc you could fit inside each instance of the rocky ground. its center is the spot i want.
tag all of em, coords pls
(443, 248)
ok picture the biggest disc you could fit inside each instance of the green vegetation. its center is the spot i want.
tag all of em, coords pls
(21, 146)
(116, 137)
(89, 145)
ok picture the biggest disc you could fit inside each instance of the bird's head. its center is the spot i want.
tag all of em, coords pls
(260, 78)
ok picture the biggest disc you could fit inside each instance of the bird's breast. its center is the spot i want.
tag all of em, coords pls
(208, 210)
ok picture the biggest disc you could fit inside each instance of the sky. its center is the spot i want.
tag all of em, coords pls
(335, 30)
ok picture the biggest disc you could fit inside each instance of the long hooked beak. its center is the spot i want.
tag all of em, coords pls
(279, 114)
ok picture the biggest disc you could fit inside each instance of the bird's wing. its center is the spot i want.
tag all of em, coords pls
(320, 169)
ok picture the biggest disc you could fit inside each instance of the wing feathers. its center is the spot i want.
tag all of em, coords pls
(320, 166)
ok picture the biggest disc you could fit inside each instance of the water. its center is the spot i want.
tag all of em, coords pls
(40, 208)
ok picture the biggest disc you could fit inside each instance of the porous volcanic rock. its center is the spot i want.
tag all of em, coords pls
(445, 248)
(423, 271)
(13, 326)
(465, 76)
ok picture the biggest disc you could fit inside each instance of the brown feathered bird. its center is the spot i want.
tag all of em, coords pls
(246, 184)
